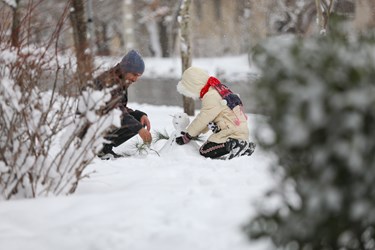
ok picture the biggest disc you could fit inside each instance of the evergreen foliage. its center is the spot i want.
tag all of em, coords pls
(160, 136)
(319, 95)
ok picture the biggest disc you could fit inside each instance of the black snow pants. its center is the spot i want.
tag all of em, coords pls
(213, 150)
(129, 128)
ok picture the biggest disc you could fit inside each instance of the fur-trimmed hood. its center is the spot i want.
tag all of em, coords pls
(193, 80)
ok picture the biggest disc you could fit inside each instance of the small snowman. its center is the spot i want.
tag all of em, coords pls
(180, 122)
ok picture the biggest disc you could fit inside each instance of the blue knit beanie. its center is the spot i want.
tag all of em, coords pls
(132, 62)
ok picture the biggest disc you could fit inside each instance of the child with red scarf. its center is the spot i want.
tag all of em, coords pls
(222, 112)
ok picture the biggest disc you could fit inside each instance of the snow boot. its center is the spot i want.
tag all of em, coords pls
(250, 149)
(107, 153)
(235, 148)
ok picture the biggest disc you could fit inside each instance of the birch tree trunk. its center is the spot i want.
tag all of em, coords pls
(319, 14)
(188, 103)
(153, 30)
(323, 17)
(81, 43)
(128, 24)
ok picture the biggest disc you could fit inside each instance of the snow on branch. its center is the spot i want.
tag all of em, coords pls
(41, 153)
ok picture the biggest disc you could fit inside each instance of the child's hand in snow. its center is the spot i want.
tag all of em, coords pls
(185, 138)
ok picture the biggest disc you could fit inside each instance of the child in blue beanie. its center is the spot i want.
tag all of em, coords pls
(133, 122)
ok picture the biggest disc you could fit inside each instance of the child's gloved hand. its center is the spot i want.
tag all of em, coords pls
(213, 127)
(185, 138)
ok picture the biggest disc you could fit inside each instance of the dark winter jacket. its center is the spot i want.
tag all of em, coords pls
(112, 79)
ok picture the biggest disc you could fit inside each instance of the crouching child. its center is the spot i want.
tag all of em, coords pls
(222, 112)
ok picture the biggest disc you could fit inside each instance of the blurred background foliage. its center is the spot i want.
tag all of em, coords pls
(319, 96)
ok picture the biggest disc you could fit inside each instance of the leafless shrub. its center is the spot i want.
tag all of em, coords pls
(40, 153)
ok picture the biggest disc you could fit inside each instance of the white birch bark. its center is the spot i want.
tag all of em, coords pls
(128, 24)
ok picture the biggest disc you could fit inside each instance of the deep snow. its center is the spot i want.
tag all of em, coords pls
(177, 201)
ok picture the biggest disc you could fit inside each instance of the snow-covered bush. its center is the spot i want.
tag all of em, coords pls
(40, 153)
(319, 96)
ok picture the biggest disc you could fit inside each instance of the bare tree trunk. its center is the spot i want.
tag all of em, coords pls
(16, 25)
(186, 59)
(81, 43)
(153, 17)
(323, 17)
(101, 40)
(91, 28)
(153, 30)
(128, 23)
(173, 29)
(164, 42)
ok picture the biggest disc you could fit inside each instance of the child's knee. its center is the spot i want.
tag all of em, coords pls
(213, 150)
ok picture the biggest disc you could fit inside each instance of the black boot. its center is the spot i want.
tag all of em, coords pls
(250, 149)
(235, 147)
(238, 148)
(107, 153)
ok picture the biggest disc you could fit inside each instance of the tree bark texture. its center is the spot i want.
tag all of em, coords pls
(128, 24)
(81, 43)
(16, 25)
(185, 43)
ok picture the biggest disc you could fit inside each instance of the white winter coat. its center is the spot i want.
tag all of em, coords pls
(214, 109)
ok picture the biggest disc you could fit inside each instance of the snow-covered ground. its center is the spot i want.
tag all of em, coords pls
(177, 201)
